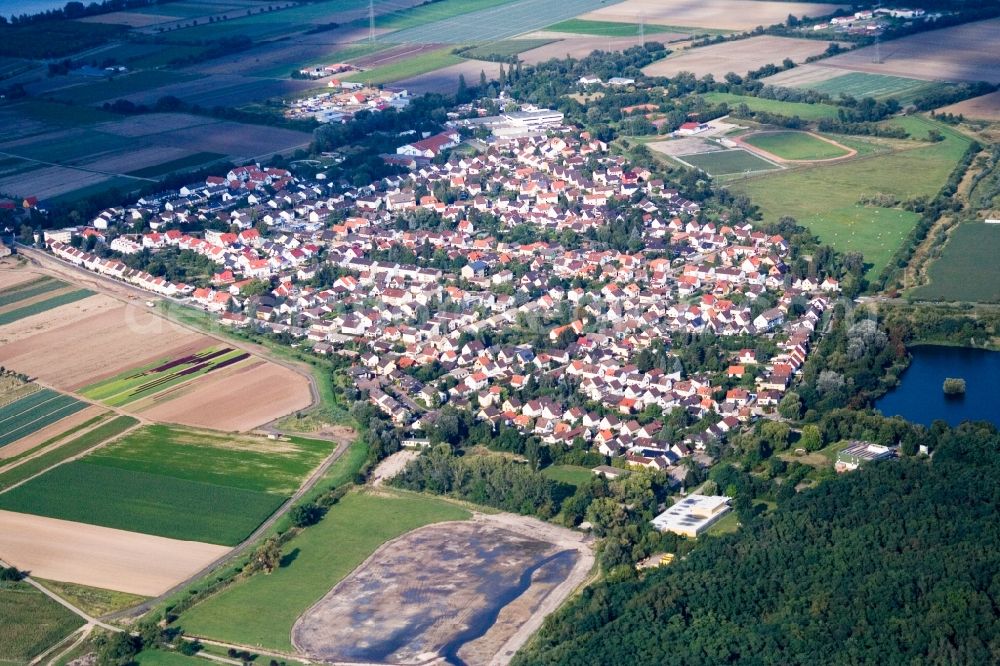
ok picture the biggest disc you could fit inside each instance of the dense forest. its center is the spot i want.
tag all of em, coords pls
(895, 564)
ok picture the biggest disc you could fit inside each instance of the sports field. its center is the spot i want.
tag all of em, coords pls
(34, 412)
(967, 269)
(727, 162)
(791, 109)
(826, 198)
(261, 610)
(794, 145)
(30, 622)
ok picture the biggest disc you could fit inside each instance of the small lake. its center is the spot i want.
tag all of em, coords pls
(919, 397)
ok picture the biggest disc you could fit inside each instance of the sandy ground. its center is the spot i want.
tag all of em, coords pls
(12, 273)
(251, 396)
(81, 343)
(445, 80)
(34, 439)
(986, 107)
(448, 590)
(392, 466)
(721, 14)
(968, 52)
(740, 56)
(99, 556)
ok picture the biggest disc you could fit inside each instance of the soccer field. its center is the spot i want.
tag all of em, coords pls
(727, 162)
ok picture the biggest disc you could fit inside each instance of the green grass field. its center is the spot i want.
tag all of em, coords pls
(505, 48)
(432, 12)
(71, 448)
(409, 67)
(612, 28)
(727, 162)
(249, 463)
(30, 622)
(34, 412)
(879, 86)
(11, 316)
(88, 492)
(181, 163)
(795, 146)
(262, 609)
(92, 600)
(967, 269)
(165, 658)
(826, 198)
(574, 475)
(791, 109)
(121, 86)
(135, 384)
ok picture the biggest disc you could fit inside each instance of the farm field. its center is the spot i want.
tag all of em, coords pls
(967, 269)
(967, 52)
(739, 57)
(423, 14)
(492, 22)
(437, 590)
(246, 462)
(407, 67)
(580, 46)
(446, 80)
(99, 557)
(43, 438)
(800, 109)
(23, 291)
(261, 610)
(826, 198)
(195, 160)
(30, 622)
(64, 451)
(794, 146)
(727, 162)
(135, 384)
(34, 412)
(985, 107)
(156, 504)
(121, 86)
(608, 28)
(879, 86)
(720, 14)
(12, 314)
(505, 48)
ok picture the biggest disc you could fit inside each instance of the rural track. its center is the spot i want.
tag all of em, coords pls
(91, 620)
(238, 550)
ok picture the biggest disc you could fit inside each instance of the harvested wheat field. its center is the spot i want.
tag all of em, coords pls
(719, 14)
(243, 399)
(48, 432)
(78, 344)
(985, 107)
(967, 52)
(739, 57)
(112, 559)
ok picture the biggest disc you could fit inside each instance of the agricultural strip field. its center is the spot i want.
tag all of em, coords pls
(727, 162)
(967, 269)
(407, 68)
(493, 22)
(99, 557)
(34, 412)
(504, 48)
(134, 385)
(728, 14)
(154, 504)
(739, 57)
(262, 609)
(800, 109)
(794, 145)
(879, 86)
(826, 198)
(121, 86)
(10, 316)
(65, 451)
(246, 462)
(42, 439)
(23, 291)
(30, 622)
(188, 162)
(966, 52)
(608, 28)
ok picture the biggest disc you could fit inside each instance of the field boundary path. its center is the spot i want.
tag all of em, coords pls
(306, 486)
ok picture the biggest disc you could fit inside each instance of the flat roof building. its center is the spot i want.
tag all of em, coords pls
(858, 453)
(692, 515)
